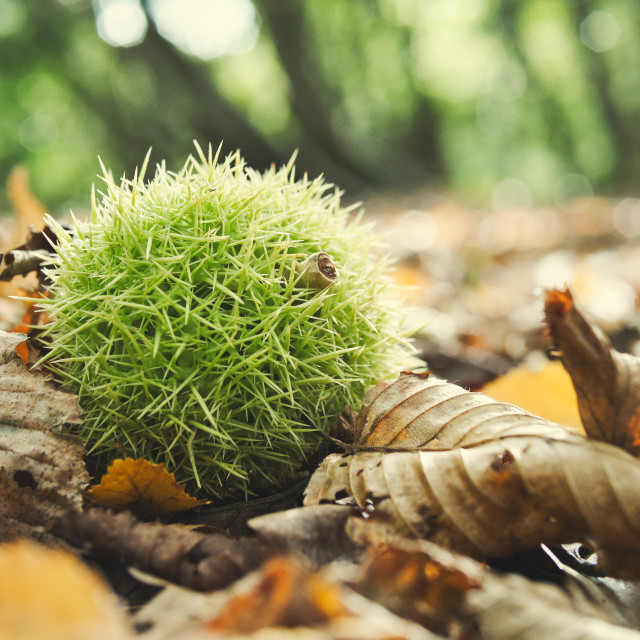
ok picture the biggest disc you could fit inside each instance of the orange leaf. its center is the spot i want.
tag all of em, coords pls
(287, 595)
(135, 484)
(29, 211)
(547, 393)
(31, 318)
(51, 594)
(416, 586)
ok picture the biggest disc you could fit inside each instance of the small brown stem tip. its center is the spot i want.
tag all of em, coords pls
(558, 302)
(317, 272)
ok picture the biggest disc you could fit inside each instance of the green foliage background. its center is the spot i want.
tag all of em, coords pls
(383, 93)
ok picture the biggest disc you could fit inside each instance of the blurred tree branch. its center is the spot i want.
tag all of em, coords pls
(186, 104)
(314, 99)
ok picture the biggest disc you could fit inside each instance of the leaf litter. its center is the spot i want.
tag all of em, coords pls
(482, 477)
(42, 472)
(430, 463)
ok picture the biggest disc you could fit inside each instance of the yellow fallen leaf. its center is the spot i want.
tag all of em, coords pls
(133, 483)
(547, 393)
(51, 595)
(413, 282)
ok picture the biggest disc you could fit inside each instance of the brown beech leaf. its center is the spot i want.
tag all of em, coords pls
(201, 561)
(506, 481)
(418, 411)
(141, 486)
(42, 473)
(50, 594)
(455, 596)
(607, 382)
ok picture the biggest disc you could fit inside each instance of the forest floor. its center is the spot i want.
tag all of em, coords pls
(477, 278)
(344, 567)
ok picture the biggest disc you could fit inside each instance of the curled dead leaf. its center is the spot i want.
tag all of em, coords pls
(607, 382)
(482, 477)
(417, 411)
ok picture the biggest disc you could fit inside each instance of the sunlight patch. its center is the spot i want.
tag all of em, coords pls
(207, 28)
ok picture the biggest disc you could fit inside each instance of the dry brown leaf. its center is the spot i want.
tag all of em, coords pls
(607, 382)
(418, 588)
(281, 593)
(418, 411)
(27, 398)
(51, 595)
(142, 487)
(317, 532)
(546, 392)
(202, 561)
(456, 596)
(287, 595)
(42, 473)
(502, 480)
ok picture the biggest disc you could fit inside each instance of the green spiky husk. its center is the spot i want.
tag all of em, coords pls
(176, 317)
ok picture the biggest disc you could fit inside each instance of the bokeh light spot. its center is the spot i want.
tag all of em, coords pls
(121, 23)
(600, 31)
(510, 194)
(573, 192)
(555, 269)
(626, 217)
(12, 17)
(207, 28)
(38, 132)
